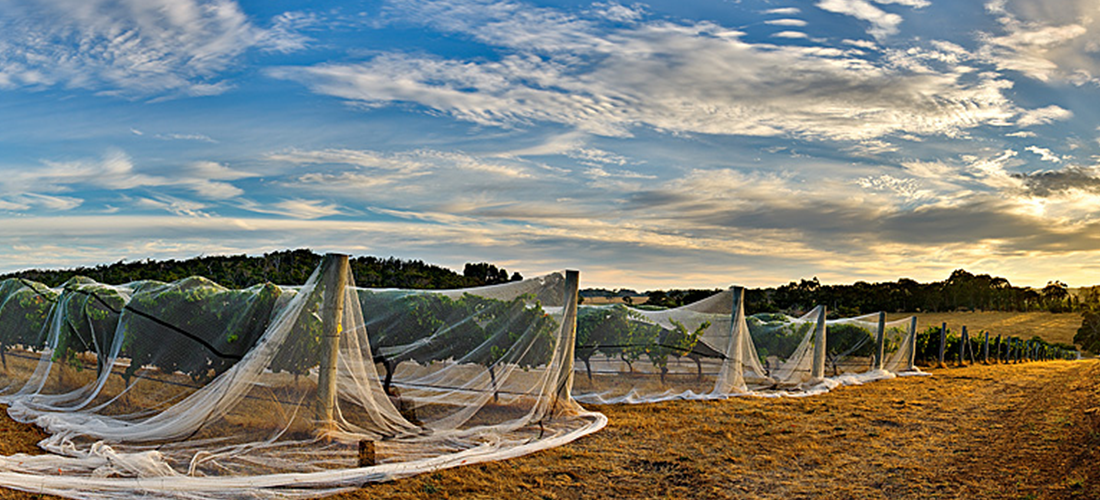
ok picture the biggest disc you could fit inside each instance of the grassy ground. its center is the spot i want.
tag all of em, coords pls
(1050, 326)
(1029, 431)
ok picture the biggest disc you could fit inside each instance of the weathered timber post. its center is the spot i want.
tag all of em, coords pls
(963, 341)
(736, 349)
(333, 285)
(569, 323)
(367, 456)
(818, 372)
(943, 343)
(912, 345)
(880, 341)
(1000, 358)
(985, 349)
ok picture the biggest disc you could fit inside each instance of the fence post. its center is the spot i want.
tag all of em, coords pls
(943, 343)
(963, 341)
(818, 372)
(333, 286)
(985, 350)
(737, 350)
(880, 340)
(912, 345)
(569, 322)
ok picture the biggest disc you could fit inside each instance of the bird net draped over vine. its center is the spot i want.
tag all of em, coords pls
(703, 350)
(853, 344)
(191, 390)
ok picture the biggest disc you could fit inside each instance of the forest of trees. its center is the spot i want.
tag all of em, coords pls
(960, 291)
(287, 267)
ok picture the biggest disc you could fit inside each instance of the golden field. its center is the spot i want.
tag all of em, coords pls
(1052, 327)
(982, 432)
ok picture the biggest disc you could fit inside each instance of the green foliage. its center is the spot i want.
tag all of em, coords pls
(195, 326)
(612, 331)
(24, 308)
(431, 327)
(1088, 335)
(675, 342)
(776, 335)
(288, 267)
(87, 323)
(962, 290)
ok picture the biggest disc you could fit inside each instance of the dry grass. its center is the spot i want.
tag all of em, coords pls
(981, 432)
(601, 301)
(1050, 326)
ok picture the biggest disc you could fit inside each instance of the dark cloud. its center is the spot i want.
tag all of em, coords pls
(1057, 181)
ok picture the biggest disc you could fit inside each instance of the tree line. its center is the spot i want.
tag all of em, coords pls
(962, 291)
(287, 267)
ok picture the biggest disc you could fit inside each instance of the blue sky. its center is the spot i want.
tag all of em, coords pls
(650, 145)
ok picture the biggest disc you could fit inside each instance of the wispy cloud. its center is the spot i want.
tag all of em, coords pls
(680, 78)
(185, 137)
(1043, 116)
(882, 23)
(1045, 39)
(115, 171)
(132, 47)
(1044, 154)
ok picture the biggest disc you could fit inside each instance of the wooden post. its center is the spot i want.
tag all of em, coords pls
(333, 286)
(737, 350)
(818, 372)
(569, 325)
(366, 453)
(963, 341)
(943, 344)
(880, 341)
(985, 349)
(912, 345)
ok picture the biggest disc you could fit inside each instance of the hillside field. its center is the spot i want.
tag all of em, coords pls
(1052, 327)
(979, 432)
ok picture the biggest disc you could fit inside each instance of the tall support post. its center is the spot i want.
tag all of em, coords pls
(880, 341)
(985, 349)
(569, 323)
(963, 341)
(333, 285)
(912, 345)
(943, 344)
(818, 371)
(734, 382)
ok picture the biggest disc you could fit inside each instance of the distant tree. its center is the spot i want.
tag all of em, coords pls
(488, 274)
(1055, 296)
(1088, 335)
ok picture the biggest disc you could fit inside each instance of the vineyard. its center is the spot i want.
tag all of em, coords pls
(191, 389)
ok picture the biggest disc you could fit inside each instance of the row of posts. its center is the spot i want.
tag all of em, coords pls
(336, 269)
(1004, 349)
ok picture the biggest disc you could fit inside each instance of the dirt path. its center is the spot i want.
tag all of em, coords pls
(984, 432)
(1013, 432)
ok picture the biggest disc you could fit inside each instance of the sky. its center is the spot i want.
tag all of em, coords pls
(664, 144)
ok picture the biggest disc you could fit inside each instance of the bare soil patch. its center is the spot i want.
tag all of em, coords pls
(1028, 431)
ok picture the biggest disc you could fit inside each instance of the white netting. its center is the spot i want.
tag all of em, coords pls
(191, 390)
(853, 345)
(786, 346)
(703, 350)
